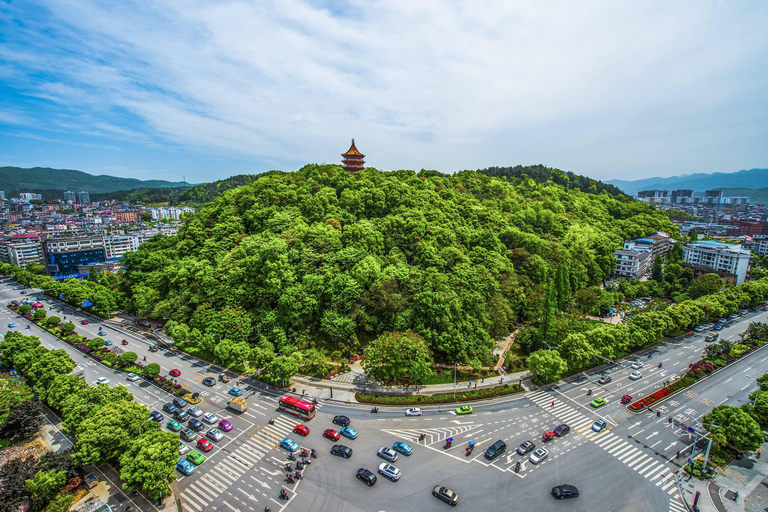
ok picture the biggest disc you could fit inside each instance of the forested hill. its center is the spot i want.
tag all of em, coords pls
(320, 256)
(542, 174)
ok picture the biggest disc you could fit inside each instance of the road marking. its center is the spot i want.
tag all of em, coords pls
(670, 446)
(727, 381)
(650, 436)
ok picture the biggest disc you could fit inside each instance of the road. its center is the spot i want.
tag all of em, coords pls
(628, 466)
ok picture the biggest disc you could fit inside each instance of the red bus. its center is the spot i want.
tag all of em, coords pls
(293, 405)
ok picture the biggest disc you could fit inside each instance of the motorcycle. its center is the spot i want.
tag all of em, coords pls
(283, 495)
(304, 452)
(291, 456)
(470, 448)
(422, 436)
(589, 392)
(314, 453)
(306, 461)
(659, 365)
(298, 475)
(448, 443)
(374, 410)
(517, 467)
(298, 465)
(290, 478)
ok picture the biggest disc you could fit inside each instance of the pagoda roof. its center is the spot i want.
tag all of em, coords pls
(352, 151)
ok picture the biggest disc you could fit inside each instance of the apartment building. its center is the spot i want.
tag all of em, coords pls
(170, 212)
(117, 245)
(719, 257)
(64, 255)
(631, 263)
(21, 249)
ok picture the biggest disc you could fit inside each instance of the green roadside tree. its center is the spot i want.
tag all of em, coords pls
(152, 370)
(96, 343)
(127, 358)
(39, 314)
(705, 285)
(25, 309)
(52, 321)
(736, 426)
(60, 388)
(67, 328)
(547, 363)
(88, 401)
(106, 436)
(23, 420)
(44, 486)
(657, 274)
(396, 355)
(282, 368)
(61, 503)
(149, 463)
(48, 366)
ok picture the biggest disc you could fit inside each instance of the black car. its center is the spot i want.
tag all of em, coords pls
(525, 447)
(209, 381)
(564, 492)
(366, 476)
(341, 420)
(181, 415)
(446, 495)
(341, 451)
(495, 450)
(170, 408)
(196, 424)
(157, 416)
(604, 380)
(179, 402)
(561, 430)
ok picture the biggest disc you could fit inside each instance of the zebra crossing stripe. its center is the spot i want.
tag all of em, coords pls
(193, 499)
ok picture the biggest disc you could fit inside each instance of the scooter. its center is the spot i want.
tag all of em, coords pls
(517, 467)
(283, 495)
(298, 475)
(448, 443)
(589, 392)
(422, 436)
(291, 456)
(306, 461)
(289, 467)
(374, 410)
(314, 453)
(298, 465)
(290, 478)
(659, 365)
(469, 450)
(304, 452)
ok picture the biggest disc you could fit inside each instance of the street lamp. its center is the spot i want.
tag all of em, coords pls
(759, 385)
(547, 344)
(150, 419)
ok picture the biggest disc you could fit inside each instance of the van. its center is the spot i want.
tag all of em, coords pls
(711, 337)
(495, 450)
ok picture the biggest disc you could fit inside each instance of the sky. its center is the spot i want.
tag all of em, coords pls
(203, 90)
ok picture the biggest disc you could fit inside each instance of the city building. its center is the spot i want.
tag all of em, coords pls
(64, 255)
(713, 197)
(354, 160)
(30, 196)
(631, 263)
(21, 249)
(654, 196)
(69, 196)
(170, 212)
(117, 245)
(2, 195)
(83, 197)
(682, 196)
(719, 257)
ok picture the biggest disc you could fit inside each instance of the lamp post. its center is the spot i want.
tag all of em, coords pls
(759, 385)
(550, 349)
(150, 419)
(454, 380)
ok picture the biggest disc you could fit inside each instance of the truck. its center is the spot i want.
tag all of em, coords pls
(238, 404)
(711, 337)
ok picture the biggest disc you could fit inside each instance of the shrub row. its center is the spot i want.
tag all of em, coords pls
(440, 398)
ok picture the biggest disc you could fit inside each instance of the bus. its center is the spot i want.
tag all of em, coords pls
(293, 405)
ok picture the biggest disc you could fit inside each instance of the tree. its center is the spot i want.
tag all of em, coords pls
(282, 368)
(149, 463)
(13, 476)
(705, 285)
(104, 437)
(25, 309)
(39, 314)
(547, 363)
(23, 420)
(694, 235)
(127, 358)
(67, 328)
(44, 486)
(152, 370)
(394, 356)
(96, 343)
(61, 503)
(53, 321)
(735, 426)
(657, 274)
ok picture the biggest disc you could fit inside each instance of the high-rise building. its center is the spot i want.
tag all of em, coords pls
(721, 257)
(713, 196)
(2, 195)
(682, 196)
(69, 196)
(353, 159)
(84, 197)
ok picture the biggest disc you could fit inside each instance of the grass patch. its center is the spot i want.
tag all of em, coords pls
(440, 398)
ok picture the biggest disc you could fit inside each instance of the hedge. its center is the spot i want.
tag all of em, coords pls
(441, 398)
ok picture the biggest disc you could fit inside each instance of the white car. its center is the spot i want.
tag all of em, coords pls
(183, 448)
(635, 375)
(637, 365)
(209, 417)
(414, 411)
(538, 456)
(214, 434)
(101, 380)
(195, 412)
(389, 471)
(133, 377)
(599, 425)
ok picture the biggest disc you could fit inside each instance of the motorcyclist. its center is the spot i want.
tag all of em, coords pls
(27, 326)
(659, 365)
(589, 392)
(517, 467)
(422, 436)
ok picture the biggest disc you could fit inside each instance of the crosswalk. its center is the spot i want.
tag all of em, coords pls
(432, 435)
(251, 464)
(634, 458)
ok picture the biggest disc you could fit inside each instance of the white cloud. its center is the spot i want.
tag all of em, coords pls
(590, 86)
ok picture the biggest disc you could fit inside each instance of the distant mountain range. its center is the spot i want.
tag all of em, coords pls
(18, 179)
(749, 179)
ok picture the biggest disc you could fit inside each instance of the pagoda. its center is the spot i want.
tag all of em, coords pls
(353, 159)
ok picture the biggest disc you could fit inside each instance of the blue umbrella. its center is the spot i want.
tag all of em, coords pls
(471, 443)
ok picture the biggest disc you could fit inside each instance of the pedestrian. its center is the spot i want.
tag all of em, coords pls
(482, 380)
(678, 455)
(303, 392)
(470, 384)
(553, 403)
(758, 454)
(476, 388)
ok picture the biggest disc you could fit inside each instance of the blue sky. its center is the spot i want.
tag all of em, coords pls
(161, 89)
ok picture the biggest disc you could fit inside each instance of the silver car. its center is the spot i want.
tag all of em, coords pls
(195, 412)
(214, 434)
(389, 471)
(387, 453)
(538, 456)
(210, 418)
(183, 448)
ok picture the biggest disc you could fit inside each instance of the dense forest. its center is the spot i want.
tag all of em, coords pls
(323, 258)
(542, 174)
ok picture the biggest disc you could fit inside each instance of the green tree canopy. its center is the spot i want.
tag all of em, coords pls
(735, 426)
(149, 463)
(396, 355)
(547, 363)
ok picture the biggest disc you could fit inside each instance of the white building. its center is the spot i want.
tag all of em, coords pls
(170, 212)
(729, 258)
(21, 252)
(117, 245)
(631, 264)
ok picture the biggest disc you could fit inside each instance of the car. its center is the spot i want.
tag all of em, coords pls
(188, 434)
(196, 458)
(348, 432)
(214, 434)
(341, 451)
(289, 444)
(174, 373)
(445, 494)
(179, 402)
(174, 425)
(637, 365)
(84, 322)
(723, 320)
(464, 409)
(599, 425)
(718, 327)
(235, 391)
(604, 380)
(209, 381)
(331, 434)
(156, 416)
(194, 411)
(538, 456)
(210, 418)
(565, 492)
(180, 415)
(204, 444)
(225, 425)
(341, 420)
(402, 447)
(102, 333)
(525, 447)
(101, 380)
(413, 411)
(626, 399)
(495, 449)
(185, 467)
(635, 375)
(547, 436)
(699, 328)
(196, 424)
(302, 430)
(133, 377)
(183, 448)
(11, 325)
(389, 471)
(387, 453)
(107, 343)
(366, 477)
(561, 430)
(153, 348)
(598, 402)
